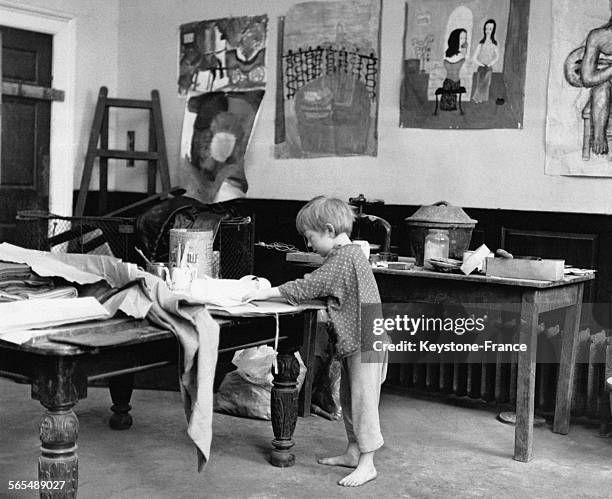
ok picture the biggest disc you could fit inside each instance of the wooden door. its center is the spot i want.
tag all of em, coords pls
(25, 123)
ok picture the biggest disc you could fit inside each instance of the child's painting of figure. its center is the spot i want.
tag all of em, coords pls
(327, 88)
(222, 74)
(579, 89)
(454, 59)
(464, 64)
(485, 57)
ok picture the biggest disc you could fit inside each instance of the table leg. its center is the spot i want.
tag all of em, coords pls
(308, 356)
(58, 461)
(567, 364)
(58, 387)
(525, 389)
(284, 407)
(121, 388)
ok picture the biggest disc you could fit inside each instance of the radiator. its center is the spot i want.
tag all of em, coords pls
(495, 383)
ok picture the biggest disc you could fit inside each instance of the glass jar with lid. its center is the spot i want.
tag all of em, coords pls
(436, 246)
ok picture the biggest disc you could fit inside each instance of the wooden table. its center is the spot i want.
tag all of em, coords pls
(531, 299)
(59, 373)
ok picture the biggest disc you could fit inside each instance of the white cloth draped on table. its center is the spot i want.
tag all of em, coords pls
(140, 294)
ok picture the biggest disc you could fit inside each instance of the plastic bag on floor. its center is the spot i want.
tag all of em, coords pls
(247, 390)
(254, 364)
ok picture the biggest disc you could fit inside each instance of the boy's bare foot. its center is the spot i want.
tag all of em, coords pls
(363, 474)
(350, 458)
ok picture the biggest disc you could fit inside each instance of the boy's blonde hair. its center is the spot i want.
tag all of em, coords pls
(323, 210)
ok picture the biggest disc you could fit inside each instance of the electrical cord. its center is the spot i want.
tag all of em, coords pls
(284, 247)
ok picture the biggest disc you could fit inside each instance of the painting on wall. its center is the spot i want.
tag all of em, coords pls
(579, 83)
(464, 64)
(328, 72)
(222, 75)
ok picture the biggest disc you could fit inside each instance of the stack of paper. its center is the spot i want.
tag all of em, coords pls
(19, 318)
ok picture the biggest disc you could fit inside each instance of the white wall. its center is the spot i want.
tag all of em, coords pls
(475, 168)
(132, 48)
(85, 57)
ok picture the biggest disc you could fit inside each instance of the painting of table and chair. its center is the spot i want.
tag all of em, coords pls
(464, 64)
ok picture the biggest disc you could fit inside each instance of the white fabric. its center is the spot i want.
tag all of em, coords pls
(196, 331)
(226, 292)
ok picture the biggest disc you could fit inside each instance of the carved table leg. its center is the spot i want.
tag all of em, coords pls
(59, 462)
(58, 386)
(284, 407)
(121, 392)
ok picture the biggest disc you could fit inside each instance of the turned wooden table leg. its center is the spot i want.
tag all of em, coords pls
(58, 464)
(284, 407)
(58, 386)
(121, 388)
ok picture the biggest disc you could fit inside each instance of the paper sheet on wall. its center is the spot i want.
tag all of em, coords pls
(222, 73)
(328, 80)
(567, 149)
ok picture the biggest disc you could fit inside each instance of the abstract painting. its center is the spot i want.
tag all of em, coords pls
(464, 64)
(328, 72)
(222, 74)
(579, 87)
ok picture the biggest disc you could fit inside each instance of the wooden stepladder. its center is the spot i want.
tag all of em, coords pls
(156, 155)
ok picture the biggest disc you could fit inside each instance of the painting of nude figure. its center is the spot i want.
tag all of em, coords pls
(579, 89)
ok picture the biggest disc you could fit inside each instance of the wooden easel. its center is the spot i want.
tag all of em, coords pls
(156, 155)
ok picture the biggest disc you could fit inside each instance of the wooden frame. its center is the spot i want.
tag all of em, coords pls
(31, 91)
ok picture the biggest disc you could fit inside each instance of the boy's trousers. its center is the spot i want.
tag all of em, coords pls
(359, 396)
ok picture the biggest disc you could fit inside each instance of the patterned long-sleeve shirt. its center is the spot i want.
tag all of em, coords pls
(346, 282)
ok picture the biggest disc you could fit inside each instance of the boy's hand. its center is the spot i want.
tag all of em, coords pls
(261, 294)
(256, 294)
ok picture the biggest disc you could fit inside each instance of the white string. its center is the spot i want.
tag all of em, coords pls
(284, 247)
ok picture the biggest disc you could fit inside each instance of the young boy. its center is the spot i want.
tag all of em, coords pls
(345, 280)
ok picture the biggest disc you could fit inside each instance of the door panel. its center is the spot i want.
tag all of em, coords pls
(18, 65)
(24, 147)
(28, 56)
(19, 120)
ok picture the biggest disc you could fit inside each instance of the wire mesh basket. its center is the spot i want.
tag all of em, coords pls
(112, 236)
(235, 243)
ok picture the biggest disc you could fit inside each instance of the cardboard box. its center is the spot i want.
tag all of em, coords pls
(518, 268)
